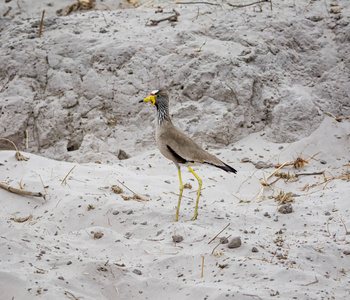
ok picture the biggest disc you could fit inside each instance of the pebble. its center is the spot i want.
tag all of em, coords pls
(123, 155)
(254, 249)
(323, 162)
(61, 278)
(262, 165)
(137, 272)
(177, 238)
(286, 208)
(235, 242)
(346, 252)
(115, 212)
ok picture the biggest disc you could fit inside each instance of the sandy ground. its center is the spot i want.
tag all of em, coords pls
(253, 85)
(87, 241)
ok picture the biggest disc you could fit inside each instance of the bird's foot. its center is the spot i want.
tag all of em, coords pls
(194, 217)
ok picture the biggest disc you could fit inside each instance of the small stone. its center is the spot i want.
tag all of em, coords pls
(177, 238)
(103, 30)
(261, 165)
(266, 214)
(137, 272)
(128, 212)
(245, 160)
(61, 278)
(97, 235)
(286, 208)
(235, 242)
(254, 249)
(69, 263)
(115, 212)
(346, 252)
(123, 155)
(144, 223)
(323, 162)
(327, 213)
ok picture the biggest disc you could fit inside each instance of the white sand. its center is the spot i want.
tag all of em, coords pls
(300, 255)
(245, 84)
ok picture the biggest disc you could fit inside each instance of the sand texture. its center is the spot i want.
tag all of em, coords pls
(264, 87)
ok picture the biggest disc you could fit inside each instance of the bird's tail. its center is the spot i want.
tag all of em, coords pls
(227, 168)
(224, 167)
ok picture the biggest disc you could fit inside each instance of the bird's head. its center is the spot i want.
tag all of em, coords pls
(156, 97)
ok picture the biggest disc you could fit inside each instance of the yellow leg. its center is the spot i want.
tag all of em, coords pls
(198, 194)
(179, 202)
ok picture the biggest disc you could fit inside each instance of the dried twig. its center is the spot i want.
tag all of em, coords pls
(346, 230)
(41, 23)
(202, 266)
(43, 186)
(313, 282)
(212, 252)
(64, 180)
(18, 155)
(338, 119)
(298, 163)
(11, 189)
(199, 2)
(7, 11)
(136, 195)
(22, 219)
(249, 4)
(219, 233)
(172, 18)
(329, 71)
(254, 296)
(71, 296)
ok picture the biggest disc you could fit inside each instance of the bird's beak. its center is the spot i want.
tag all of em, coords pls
(151, 98)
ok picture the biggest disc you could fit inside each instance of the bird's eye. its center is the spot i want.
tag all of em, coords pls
(158, 96)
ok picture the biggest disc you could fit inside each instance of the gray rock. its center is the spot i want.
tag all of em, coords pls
(137, 272)
(286, 208)
(70, 85)
(177, 238)
(235, 242)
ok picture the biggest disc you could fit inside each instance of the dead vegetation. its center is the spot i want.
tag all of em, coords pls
(283, 198)
(79, 5)
(288, 177)
(118, 190)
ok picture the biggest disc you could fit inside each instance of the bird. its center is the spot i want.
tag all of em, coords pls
(178, 147)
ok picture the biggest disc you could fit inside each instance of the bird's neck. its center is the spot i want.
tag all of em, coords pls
(163, 113)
